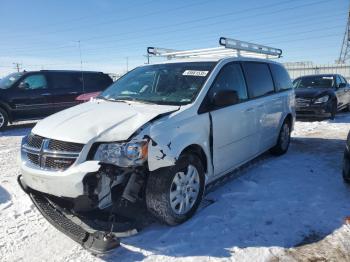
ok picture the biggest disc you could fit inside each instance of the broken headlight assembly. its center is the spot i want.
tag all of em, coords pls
(322, 100)
(122, 154)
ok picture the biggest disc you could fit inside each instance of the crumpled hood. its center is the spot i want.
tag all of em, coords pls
(311, 92)
(100, 120)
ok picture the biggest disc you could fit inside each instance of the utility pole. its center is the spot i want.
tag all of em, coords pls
(345, 47)
(81, 67)
(147, 56)
(18, 66)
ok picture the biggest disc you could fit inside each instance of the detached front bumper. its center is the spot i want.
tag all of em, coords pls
(94, 240)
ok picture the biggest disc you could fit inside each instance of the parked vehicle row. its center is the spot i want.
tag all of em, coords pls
(37, 94)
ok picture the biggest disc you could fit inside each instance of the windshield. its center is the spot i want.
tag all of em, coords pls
(7, 81)
(170, 84)
(314, 81)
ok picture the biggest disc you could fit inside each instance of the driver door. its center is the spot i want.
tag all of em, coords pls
(30, 97)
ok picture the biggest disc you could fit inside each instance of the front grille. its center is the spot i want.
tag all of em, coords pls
(56, 145)
(58, 163)
(34, 159)
(35, 141)
(302, 102)
(50, 154)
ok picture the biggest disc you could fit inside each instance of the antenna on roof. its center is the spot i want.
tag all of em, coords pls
(228, 47)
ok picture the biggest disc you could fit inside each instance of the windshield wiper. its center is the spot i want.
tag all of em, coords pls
(133, 99)
(110, 99)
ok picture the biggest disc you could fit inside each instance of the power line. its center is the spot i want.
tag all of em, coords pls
(215, 23)
(118, 20)
(76, 18)
(204, 18)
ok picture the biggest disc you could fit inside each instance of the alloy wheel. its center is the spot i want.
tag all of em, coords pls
(184, 190)
(2, 120)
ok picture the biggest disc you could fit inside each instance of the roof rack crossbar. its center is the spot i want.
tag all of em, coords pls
(228, 47)
(249, 47)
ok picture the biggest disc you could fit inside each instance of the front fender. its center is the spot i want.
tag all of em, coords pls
(166, 143)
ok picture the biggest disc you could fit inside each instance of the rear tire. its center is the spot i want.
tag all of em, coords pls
(3, 119)
(283, 140)
(346, 167)
(173, 194)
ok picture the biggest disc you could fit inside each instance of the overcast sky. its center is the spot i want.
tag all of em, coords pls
(44, 34)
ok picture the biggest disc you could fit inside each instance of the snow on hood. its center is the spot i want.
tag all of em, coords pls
(100, 120)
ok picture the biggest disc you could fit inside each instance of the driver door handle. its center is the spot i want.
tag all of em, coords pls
(46, 94)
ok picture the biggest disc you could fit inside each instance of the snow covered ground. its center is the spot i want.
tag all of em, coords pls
(289, 208)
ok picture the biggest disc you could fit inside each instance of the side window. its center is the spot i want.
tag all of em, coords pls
(280, 77)
(33, 82)
(95, 82)
(259, 79)
(70, 81)
(230, 78)
(337, 81)
(343, 80)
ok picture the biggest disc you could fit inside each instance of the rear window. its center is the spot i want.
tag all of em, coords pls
(258, 78)
(280, 77)
(96, 82)
(67, 81)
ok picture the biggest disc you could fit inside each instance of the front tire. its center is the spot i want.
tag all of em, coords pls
(334, 109)
(346, 167)
(283, 140)
(174, 194)
(3, 119)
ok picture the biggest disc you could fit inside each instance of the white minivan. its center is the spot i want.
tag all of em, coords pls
(159, 135)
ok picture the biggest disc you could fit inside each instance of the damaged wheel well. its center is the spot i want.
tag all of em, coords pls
(196, 149)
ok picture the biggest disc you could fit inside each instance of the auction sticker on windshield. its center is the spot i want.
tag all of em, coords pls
(195, 73)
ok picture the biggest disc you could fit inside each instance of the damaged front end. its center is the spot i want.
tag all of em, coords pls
(112, 206)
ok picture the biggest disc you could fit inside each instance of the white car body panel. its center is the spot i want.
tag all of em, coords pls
(234, 134)
(255, 128)
(99, 120)
(67, 183)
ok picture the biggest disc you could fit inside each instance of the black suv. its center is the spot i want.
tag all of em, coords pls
(321, 95)
(34, 95)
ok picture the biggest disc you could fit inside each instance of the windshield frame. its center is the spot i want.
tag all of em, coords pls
(210, 64)
(297, 81)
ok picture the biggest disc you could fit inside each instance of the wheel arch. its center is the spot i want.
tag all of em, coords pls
(7, 111)
(199, 151)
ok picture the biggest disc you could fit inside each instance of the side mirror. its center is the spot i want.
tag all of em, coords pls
(23, 85)
(225, 98)
(342, 85)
